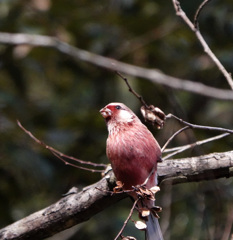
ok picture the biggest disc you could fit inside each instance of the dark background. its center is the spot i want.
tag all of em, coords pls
(58, 99)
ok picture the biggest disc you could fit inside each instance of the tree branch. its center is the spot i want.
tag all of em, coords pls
(200, 8)
(207, 50)
(155, 76)
(79, 207)
(195, 169)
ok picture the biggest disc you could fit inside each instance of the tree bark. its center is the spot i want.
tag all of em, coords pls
(78, 207)
(195, 169)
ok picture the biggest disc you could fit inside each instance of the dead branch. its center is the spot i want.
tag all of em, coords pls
(172, 137)
(127, 219)
(139, 97)
(207, 50)
(196, 126)
(150, 113)
(153, 75)
(206, 167)
(79, 207)
(174, 151)
(187, 124)
(200, 8)
(63, 156)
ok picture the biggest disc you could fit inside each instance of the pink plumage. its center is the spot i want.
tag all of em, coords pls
(131, 149)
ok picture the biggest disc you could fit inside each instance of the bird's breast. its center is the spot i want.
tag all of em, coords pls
(133, 155)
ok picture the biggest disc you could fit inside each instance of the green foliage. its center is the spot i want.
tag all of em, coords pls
(58, 98)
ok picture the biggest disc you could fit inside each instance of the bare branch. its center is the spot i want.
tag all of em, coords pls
(180, 149)
(127, 219)
(206, 167)
(61, 155)
(67, 212)
(199, 36)
(79, 207)
(152, 114)
(173, 136)
(152, 75)
(198, 12)
(195, 126)
(139, 97)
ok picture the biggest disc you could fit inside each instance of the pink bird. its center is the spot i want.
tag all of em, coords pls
(133, 153)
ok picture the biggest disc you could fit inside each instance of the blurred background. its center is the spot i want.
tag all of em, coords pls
(58, 99)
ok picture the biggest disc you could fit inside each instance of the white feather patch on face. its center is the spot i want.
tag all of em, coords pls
(125, 116)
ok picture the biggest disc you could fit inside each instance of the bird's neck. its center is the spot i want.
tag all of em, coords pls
(119, 127)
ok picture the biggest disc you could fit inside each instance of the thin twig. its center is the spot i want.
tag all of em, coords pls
(151, 172)
(173, 136)
(127, 220)
(61, 155)
(199, 36)
(73, 165)
(139, 97)
(167, 150)
(193, 126)
(218, 129)
(150, 113)
(180, 149)
(116, 192)
(201, 6)
(181, 13)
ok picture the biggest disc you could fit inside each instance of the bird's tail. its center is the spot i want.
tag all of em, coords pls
(153, 231)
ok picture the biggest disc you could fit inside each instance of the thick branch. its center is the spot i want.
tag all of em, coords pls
(195, 169)
(67, 212)
(152, 75)
(79, 207)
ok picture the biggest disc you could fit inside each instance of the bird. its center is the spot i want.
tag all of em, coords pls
(134, 153)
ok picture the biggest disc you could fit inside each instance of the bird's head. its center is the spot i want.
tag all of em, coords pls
(117, 114)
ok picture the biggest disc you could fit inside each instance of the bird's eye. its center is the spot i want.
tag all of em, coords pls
(118, 107)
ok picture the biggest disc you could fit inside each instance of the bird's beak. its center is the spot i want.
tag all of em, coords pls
(106, 112)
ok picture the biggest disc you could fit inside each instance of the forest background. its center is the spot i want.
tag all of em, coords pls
(58, 98)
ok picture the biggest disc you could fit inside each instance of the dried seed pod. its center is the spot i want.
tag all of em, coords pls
(128, 238)
(155, 189)
(119, 187)
(144, 212)
(154, 115)
(140, 225)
